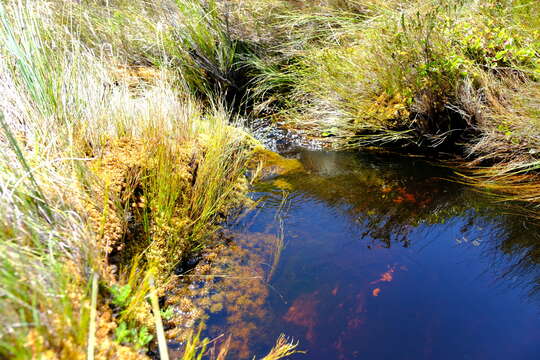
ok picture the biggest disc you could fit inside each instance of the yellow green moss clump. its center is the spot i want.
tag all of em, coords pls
(268, 163)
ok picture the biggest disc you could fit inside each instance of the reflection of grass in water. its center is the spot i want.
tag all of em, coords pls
(386, 203)
(280, 238)
(389, 202)
(196, 348)
(388, 196)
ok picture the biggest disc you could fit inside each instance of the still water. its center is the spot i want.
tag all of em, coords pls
(372, 257)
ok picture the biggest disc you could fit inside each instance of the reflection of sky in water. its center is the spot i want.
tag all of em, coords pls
(384, 261)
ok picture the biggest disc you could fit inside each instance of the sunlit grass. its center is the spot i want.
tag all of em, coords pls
(514, 182)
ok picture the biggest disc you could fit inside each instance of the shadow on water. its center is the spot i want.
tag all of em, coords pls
(369, 257)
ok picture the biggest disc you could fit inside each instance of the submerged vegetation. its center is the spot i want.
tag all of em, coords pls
(123, 150)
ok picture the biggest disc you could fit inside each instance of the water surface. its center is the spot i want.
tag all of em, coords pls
(369, 257)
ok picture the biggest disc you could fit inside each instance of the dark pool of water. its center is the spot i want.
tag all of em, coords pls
(383, 259)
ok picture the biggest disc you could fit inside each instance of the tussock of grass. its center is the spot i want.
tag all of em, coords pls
(427, 66)
(206, 53)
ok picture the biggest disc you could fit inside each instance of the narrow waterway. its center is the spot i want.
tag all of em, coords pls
(372, 257)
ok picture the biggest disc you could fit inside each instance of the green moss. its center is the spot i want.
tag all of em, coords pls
(274, 164)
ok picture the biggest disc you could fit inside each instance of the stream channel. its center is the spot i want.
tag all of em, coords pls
(364, 256)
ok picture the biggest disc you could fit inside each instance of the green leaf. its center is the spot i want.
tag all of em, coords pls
(122, 333)
(144, 338)
(167, 314)
(120, 295)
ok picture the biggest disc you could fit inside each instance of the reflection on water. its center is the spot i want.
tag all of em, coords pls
(380, 258)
